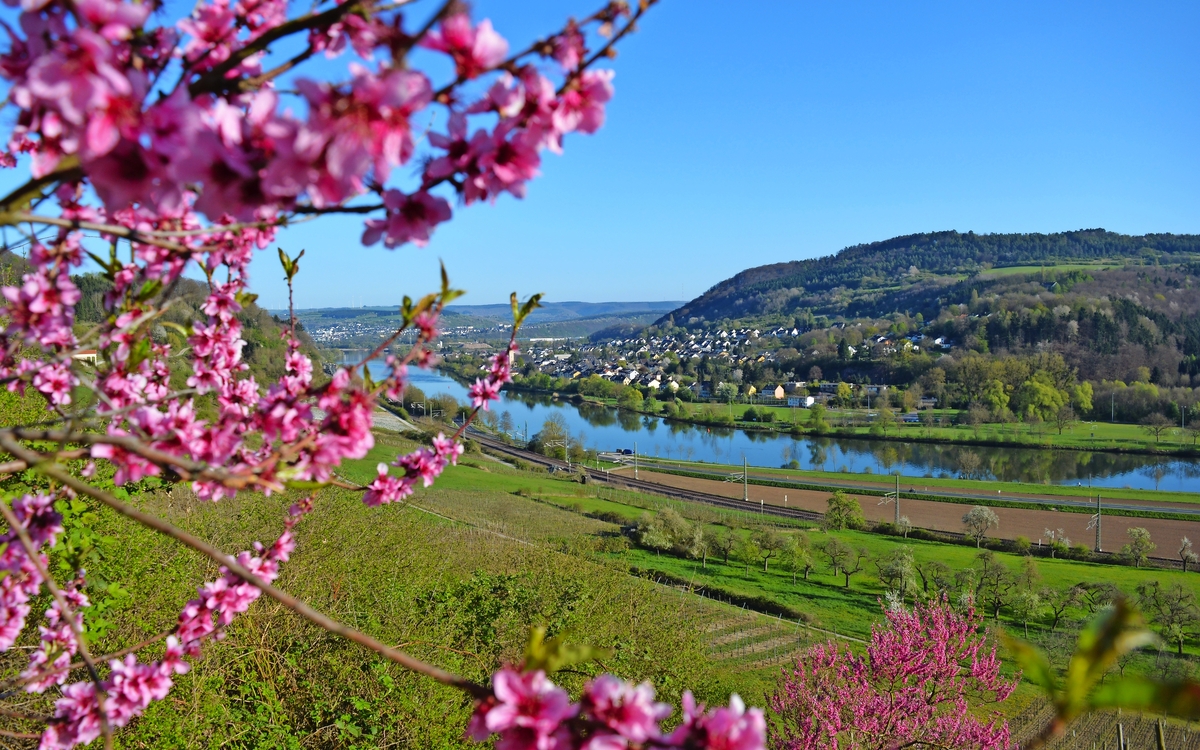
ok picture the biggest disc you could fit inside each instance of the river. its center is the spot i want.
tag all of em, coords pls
(607, 429)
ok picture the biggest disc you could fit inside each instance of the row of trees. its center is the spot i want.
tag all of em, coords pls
(991, 583)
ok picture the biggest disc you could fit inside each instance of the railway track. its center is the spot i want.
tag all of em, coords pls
(673, 493)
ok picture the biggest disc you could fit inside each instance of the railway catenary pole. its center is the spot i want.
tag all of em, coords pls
(1098, 549)
(897, 499)
(745, 481)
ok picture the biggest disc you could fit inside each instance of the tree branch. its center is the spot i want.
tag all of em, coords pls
(317, 618)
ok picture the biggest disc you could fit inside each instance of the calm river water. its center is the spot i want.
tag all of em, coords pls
(609, 429)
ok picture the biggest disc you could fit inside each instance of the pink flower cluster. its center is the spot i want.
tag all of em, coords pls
(529, 712)
(132, 686)
(487, 389)
(43, 524)
(922, 670)
(83, 89)
(530, 115)
(425, 464)
(129, 689)
(41, 312)
(49, 661)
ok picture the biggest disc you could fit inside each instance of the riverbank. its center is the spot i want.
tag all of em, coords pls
(1094, 437)
(604, 425)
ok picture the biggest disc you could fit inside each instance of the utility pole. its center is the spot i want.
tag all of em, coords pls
(897, 499)
(1098, 549)
(745, 482)
(635, 467)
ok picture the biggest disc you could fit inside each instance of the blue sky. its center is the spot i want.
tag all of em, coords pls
(751, 133)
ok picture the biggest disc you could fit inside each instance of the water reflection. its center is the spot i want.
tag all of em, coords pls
(607, 429)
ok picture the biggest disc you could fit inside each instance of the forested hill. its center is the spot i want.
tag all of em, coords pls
(870, 277)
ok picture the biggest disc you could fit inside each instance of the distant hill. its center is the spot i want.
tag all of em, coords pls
(354, 327)
(552, 312)
(909, 273)
(549, 312)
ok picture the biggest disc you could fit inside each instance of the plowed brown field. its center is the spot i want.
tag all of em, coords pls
(927, 514)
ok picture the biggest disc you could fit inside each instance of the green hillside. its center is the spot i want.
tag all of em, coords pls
(908, 273)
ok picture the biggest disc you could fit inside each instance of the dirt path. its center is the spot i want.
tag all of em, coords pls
(1014, 522)
(1022, 493)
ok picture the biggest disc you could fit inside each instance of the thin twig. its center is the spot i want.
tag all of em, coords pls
(19, 735)
(14, 714)
(133, 235)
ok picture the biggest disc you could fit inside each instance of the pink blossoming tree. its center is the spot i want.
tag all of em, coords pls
(915, 687)
(173, 146)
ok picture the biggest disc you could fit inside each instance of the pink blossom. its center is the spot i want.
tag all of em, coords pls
(386, 488)
(475, 50)
(483, 392)
(582, 107)
(42, 308)
(58, 643)
(363, 128)
(397, 380)
(629, 711)
(130, 466)
(410, 218)
(510, 159)
(212, 32)
(77, 79)
(77, 718)
(910, 689)
(23, 582)
(526, 713)
(568, 48)
(726, 728)
(422, 464)
(426, 322)
(506, 97)
(364, 35)
(113, 19)
(447, 449)
(55, 380)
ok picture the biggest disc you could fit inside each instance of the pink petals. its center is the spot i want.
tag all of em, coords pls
(910, 689)
(23, 582)
(410, 218)
(529, 712)
(487, 389)
(131, 685)
(386, 488)
(424, 463)
(474, 50)
(526, 713)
